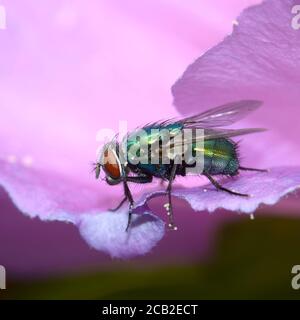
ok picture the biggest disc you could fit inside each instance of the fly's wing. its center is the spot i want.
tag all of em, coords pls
(224, 115)
(209, 121)
(179, 144)
(220, 116)
(183, 142)
(209, 134)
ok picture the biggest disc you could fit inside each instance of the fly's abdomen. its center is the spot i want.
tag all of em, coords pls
(220, 157)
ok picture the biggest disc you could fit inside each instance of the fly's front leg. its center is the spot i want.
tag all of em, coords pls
(136, 179)
(131, 202)
(169, 205)
(128, 196)
(119, 205)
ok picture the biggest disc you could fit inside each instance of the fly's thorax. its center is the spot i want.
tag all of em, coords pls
(162, 145)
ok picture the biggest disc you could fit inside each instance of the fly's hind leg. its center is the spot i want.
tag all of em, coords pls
(220, 187)
(253, 169)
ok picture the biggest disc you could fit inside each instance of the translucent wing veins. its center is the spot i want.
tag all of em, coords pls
(224, 115)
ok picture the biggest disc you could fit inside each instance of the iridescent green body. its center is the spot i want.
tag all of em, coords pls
(220, 157)
(220, 154)
(200, 143)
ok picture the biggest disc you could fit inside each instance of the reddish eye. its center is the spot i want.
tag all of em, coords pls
(111, 165)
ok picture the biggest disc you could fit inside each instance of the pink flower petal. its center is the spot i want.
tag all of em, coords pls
(48, 196)
(93, 53)
(264, 188)
(106, 232)
(51, 196)
(259, 60)
(80, 67)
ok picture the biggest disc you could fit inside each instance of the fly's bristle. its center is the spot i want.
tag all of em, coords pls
(236, 147)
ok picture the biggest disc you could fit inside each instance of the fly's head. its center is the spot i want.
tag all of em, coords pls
(110, 162)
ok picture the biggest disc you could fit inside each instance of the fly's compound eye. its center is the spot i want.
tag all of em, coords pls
(112, 166)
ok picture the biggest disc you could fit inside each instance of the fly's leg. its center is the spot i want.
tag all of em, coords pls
(131, 202)
(140, 179)
(128, 195)
(136, 179)
(219, 187)
(253, 169)
(119, 205)
(169, 205)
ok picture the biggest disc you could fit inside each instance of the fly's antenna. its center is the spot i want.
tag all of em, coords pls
(93, 167)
